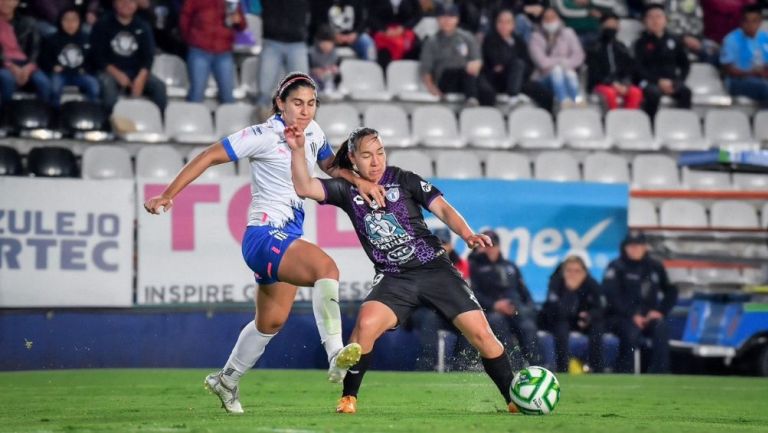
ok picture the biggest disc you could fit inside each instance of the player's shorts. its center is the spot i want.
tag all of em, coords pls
(436, 284)
(263, 249)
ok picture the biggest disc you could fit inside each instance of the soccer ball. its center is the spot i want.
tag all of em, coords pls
(535, 391)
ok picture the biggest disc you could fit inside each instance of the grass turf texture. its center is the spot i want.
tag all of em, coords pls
(287, 401)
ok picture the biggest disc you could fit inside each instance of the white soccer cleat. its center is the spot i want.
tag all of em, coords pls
(348, 356)
(230, 397)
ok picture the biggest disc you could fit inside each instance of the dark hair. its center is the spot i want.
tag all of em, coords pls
(350, 146)
(325, 33)
(653, 6)
(288, 84)
(608, 16)
(61, 18)
(751, 9)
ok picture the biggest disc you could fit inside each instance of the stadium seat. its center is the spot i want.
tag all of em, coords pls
(52, 162)
(729, 128)
(31, 118)
(733, 214)
(484, 127)
(706, 85)
(723, 276)
(189, 122)
(680, 275)
(630, 130)
(106, 162)
(556, 166)
(706, 180)
(750, 181)
(532, 127)
(158, 161)
(172, 71)
(412, 160)
(85, 120)
(655, 172)
(215, 172)
(458, 164)
(508, 166)
(404, 82)
(679, 129)
(581, 128)
(426, 27)
(606, 168)
(363, 80)
(337, 121)
(761, 127)
(144, 121)
(435, 126)
(629, 31)
(10, 162)
(642, 213)
(249, 76)
(764, 219)
(392, 123)
(682, 213)
(231, 118)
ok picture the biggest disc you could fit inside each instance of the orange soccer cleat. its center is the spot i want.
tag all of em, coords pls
(513, 408)
(347, 404)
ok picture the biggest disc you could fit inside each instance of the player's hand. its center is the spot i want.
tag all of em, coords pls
(371, 192)
(653, 315)
(154, 204)
(477, 240)
(294, 137)
(639, 321)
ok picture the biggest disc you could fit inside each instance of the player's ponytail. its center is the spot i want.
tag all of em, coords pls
(342, 159)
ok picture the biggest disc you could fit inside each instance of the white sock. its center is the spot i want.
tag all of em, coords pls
(248, 349)
(325, 305)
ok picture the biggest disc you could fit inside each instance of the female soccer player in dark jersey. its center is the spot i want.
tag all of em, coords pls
(412, 269)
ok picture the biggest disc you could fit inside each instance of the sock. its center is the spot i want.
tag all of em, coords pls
(248, 349)
(500, 371)
(325, 305)
(355, 374)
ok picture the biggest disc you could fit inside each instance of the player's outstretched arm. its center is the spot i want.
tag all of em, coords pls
(212, 155)
(305, 185)
(453, 219)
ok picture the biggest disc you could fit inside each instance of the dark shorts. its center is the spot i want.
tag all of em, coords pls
(436, 284)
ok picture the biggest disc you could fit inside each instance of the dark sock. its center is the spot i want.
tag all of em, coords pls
(500, 371)
(355, 375)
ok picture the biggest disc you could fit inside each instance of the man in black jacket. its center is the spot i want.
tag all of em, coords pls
(500, 290)
(123, 49)
(19, 50)
(640, 297)
(662, 62)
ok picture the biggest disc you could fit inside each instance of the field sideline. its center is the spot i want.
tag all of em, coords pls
(289, 401)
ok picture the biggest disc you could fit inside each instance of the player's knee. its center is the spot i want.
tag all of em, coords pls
(327, 268)
(269, 325)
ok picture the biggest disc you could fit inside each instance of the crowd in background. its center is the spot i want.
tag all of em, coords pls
(525, 49)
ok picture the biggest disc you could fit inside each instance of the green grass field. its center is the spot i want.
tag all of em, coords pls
(301, 402)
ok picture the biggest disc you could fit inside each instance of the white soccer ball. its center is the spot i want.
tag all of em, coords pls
(535, 391)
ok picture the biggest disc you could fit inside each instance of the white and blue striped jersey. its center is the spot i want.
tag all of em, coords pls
(273, 199)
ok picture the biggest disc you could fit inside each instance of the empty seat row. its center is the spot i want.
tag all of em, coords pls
(723, 214)
(530, 127)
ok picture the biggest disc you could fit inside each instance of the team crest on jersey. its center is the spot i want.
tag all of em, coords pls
(393, 194)
(384, 231)
(426, 186)
(358, 200)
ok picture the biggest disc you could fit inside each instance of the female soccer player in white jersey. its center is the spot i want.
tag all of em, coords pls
(272, 247)
(412, 268)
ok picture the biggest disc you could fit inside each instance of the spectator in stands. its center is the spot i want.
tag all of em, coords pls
(685, 22)
(610, 68)
(529, 17)
(284, 46)
(720, 17)
(451, 62)
(507, 65)
(123, 50)
(392, 22)
(64, 57)
(163, 17)
(323, 60)
(557, 53)
(640, 297)
(583, 16)
(208, 27)
(500, 290)
(662, 63)
(744, 56)
(48, 12)
(574, 303)
(348, 19)
(20, 45)
(461, 265)
(476, 16)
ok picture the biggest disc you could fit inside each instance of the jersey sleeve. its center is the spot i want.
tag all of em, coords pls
(250, 142)
(336, 192)
(325, 151)
(421, 190)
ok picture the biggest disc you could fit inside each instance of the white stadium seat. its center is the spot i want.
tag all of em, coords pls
(706, 85)
(172, 71)
(682, 213)
(231, 118)
(606, 168)
(630, 130)
(642, 213)
(581, 128)
(337, 121)
(733, 214)
(484, 127)
(629, 31)
(404, 82)
(532, 127)
(436, 126)
(556, 166)
(189, 122)
(730, 128)
(750, 181)
(655, 172)
(391, 121)
(761, 127)
(159, 161)
(679, 129)
(458, 164)
(507, 166)
(412, 160)
(106, 162)
(363, 80)
(144, 118)
(215, 172)
(249, 76)
(706, 180)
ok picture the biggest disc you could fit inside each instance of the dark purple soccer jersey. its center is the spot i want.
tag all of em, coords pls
(395, 238)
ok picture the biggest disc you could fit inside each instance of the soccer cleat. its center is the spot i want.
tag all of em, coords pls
(230, 397)
(348, 356)
(347, 404)
(512, 408)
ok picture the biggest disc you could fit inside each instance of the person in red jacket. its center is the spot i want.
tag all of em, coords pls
(208, 27)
